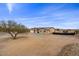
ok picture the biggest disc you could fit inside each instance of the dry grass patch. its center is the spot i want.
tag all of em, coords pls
(70, 50)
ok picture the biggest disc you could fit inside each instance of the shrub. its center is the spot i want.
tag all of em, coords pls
(70, 50)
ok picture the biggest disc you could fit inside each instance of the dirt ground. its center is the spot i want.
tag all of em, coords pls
(34, 44)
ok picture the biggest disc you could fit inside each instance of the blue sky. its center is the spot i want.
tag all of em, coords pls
(56, 15)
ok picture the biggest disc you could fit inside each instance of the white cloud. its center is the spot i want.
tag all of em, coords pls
(51, 8)
(10, 7)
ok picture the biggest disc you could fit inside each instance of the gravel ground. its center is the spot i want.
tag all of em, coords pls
(34, 44)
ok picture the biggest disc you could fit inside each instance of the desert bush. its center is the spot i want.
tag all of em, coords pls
(76, 31)
(70, 50)
(12, 28)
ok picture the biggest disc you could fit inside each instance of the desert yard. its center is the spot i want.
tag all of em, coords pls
(34, 44)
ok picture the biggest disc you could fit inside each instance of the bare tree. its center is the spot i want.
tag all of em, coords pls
(12, 28)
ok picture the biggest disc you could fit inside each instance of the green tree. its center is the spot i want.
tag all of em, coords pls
(12, 28)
